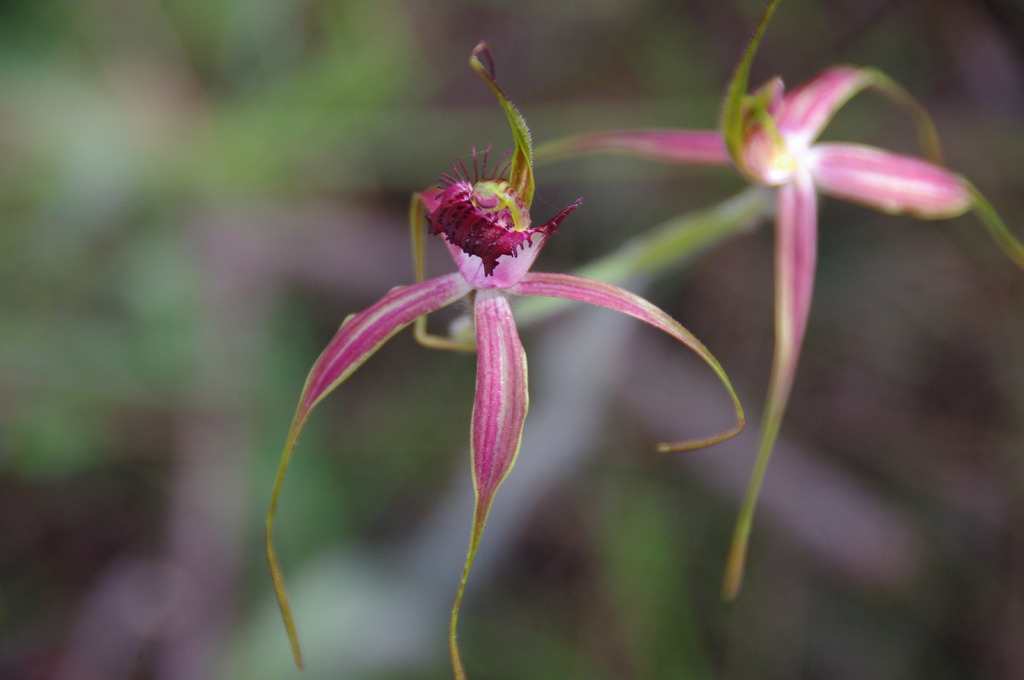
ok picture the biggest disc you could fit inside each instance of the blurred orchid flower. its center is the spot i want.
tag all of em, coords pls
(770, 137)
(485, 222)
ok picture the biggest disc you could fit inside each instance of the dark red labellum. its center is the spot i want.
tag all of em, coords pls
(477, 228)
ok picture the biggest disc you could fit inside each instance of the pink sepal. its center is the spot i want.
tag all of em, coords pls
(362, 334)
(686, 147)
(499, 409)
(887, 181)
(805, 111)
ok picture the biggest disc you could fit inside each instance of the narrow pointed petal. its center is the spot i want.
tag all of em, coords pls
(685, 147)
(891, 182)
(808, 109)
(668, 245)
(499, 411)
(363, 333)
(521, 173)
(593, 292)
(358, 338)
(795, 255)
(733, 110)
(501, 399)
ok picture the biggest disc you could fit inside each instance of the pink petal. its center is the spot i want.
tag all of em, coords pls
(358, 338)
(593, 292)
(499, 411)
(796, 234)
(796, 244)
(687, 147)
(363, 333)
(501, 397)
(890, 182)
(806, 110)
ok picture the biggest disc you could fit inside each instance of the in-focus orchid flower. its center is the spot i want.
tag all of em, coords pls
(770, 136)
(485, 222)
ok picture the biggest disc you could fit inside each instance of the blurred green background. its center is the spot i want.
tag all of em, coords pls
(195, 193)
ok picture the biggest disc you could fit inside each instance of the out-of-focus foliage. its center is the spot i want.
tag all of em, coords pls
(194, 194)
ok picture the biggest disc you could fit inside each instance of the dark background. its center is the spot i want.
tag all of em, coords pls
(195, 193)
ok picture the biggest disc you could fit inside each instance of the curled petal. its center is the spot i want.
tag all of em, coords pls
(891, 182)
(796, 233)
(606, 295)
(358, 338)
(499, 411)
(686, 147)
(807, 110)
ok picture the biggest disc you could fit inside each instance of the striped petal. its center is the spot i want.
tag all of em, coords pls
(808, 109)
(891, 182)
(593, 292)
(358, 338)
(685, 147)
(499, 411)
(796, 235)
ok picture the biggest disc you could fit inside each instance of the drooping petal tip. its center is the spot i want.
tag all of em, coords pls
(1004, 238)
(359, 337)
(499, 412)
(612, 297)
(796, 253)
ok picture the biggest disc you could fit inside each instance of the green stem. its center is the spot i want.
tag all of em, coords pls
(771, 424)
(1013, 248)
(479, 520)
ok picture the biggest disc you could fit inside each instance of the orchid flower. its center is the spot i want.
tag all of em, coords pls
(485, 222)
(770, 136)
